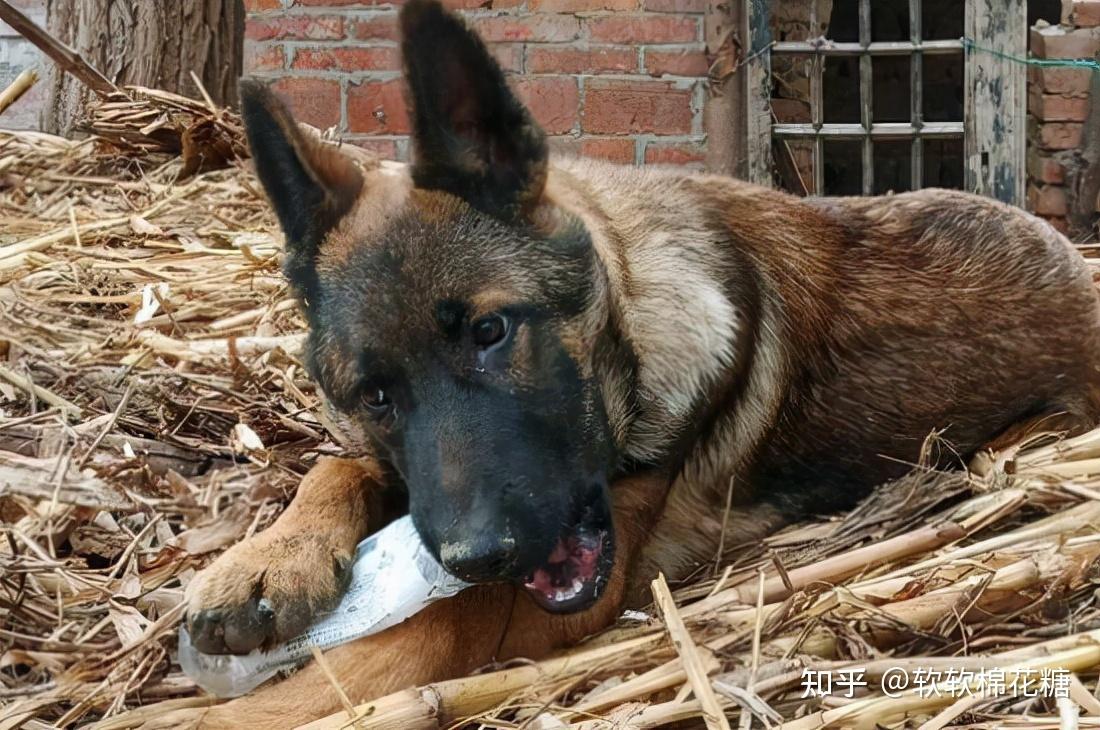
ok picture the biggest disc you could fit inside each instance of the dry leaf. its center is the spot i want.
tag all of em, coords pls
(128, 622)
(143, 227)
(224, 530)
(151, 297)
(243, 439)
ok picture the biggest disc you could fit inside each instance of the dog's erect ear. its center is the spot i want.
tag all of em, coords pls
(471, 136)
(310, 183)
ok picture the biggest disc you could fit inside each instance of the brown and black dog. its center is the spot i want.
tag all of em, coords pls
(563, 365)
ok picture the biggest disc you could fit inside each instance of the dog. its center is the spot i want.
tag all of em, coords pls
(564, 370)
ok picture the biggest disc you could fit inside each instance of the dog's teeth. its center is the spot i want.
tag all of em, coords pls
(559, 596)
(577, 585)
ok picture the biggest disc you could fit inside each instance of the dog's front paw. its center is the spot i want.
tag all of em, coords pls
(264, 591)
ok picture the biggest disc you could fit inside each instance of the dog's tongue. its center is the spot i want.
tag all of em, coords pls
(570, 569)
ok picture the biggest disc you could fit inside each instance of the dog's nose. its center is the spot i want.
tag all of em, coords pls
(480, 559)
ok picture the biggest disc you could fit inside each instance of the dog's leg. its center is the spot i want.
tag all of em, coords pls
(447, 639)
(268, 588)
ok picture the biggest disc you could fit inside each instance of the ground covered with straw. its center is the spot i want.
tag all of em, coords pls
(153, 410)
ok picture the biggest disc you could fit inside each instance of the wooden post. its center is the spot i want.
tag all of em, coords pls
(724, 116)
(996, 99)
(758, 116)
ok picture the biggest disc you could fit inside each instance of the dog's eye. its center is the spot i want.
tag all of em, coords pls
(378, 403)
(489, 330)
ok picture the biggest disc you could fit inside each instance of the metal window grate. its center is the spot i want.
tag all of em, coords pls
(867, 131)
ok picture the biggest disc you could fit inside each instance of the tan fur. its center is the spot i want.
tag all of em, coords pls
(299, 568)
(389, 188)
(727, 292)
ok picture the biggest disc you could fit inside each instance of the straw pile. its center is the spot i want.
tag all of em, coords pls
(140, 120)
(153, 411)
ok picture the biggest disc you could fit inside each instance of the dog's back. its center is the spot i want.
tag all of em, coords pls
(854, 328)
(948, 312)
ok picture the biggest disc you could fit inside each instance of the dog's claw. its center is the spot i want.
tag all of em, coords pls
(265, 610)
(262, 592)
(236, 630)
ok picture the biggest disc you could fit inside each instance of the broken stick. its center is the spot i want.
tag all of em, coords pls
(65, 57)
(17, 88)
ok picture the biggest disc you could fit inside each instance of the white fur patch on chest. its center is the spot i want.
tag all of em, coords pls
(681, 323)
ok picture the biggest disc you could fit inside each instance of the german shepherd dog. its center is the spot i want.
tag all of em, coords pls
(566, 366)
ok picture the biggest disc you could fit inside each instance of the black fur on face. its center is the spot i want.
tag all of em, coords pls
(504, 449)
(450, 326)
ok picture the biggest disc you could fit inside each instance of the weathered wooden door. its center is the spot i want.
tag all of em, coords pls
(996, 93)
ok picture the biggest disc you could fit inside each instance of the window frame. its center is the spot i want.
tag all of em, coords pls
(994, 124)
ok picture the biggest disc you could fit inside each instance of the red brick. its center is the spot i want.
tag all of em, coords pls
(348, 58)
(1069, 81)
(509, 56)
(465, 4)
(676, 6)
(1043, 168)
(551, 99)
(1056, 41)
(615, 149)
(630, 107)
(1081, 13)
(377, 107)
(581, 6)
(377, 28)
(255, 6)
(643, 29)
(568, 145)
(1060, 135)
(263, 57)
(1058, 108)
(676, 63)
(295, 27)
(313, 101)
(384, 148)
(543, 28)
(687, 154)
(572, 60)
(1047, 200)
(343, 3)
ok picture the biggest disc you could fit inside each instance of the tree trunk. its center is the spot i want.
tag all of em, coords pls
(156, 44)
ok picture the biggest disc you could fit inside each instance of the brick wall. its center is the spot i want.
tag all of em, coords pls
(1058, 106)
(616, 79)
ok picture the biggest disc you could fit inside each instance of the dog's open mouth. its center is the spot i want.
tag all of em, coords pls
(575, 574)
